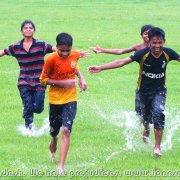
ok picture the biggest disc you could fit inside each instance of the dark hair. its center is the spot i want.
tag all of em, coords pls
(27, 22)
(156, 32)
(146, 27)
(64, 39)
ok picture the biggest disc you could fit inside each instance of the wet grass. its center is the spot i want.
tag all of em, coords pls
(104, 138)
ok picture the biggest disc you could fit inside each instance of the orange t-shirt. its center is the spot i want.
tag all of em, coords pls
(57, 68)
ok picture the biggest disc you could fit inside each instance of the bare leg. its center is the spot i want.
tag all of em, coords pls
(146, 133)
(158, 136)
(52, 148)
(64, 147)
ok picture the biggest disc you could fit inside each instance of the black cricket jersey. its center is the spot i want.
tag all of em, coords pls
(152, 72)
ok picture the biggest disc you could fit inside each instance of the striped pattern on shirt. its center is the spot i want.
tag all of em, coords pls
(31, 63)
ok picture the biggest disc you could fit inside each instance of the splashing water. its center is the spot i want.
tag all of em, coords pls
(115, 153)
(99, 111)
(44, 130)
(173, 125)
(127, 120)
(18, 163)
(132, 128)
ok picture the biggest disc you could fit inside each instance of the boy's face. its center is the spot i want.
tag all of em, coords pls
(28, 30)
(64, 50)
(156, 45)
(145, 36)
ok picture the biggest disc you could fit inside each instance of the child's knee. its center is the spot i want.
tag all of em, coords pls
(65, 131)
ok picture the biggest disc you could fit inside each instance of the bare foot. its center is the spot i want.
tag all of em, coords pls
(60, 171)
(52, 150)
(157, 152)
(52, 157)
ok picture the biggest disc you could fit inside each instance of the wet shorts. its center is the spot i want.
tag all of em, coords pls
(61, 115)
(152, 108)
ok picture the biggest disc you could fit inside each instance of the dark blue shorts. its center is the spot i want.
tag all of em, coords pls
(152, 108)
(61, 115)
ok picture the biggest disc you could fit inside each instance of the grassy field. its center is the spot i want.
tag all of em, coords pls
(106, 137)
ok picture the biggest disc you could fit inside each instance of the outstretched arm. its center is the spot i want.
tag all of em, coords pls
(99, 49)
(2, 53)
(111, 65)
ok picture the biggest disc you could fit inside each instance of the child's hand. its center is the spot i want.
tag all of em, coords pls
(97, 49)
(94, 69)
(82, 84)
(84, 54)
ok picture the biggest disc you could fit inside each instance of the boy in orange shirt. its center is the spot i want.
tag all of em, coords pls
(59, 72)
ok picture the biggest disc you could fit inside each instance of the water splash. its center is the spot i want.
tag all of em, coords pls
(128, 121)
(34, 132)
(19, 164)
(172, 125)
(132, 129)
(98, 110)
(44, 130)
(115, 153)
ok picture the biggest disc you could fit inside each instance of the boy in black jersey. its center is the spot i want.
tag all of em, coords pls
(136, 47)
(151, 84)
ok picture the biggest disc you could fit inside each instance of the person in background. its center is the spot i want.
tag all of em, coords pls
(29, 53)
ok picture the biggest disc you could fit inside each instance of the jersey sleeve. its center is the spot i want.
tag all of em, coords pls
(9, 51)
(172, 54)
(47, 69)
(47, 48)
(137, 56)
(77, 56)
(140, 54)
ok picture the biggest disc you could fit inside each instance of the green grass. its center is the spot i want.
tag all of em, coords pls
(98, 139)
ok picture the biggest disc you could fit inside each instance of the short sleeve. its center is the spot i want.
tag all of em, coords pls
(172, 54)
(9, 51)
(77, 54)
(48, 48)
(137, 56)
